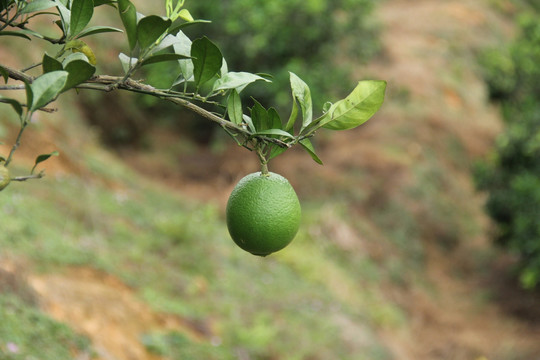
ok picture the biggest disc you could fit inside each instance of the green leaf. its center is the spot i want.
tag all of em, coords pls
(275, 151)
(15, 33)
(46, 87)
(97, 30)
(4, 4)
(42, 158)
(183, 47)
(104, 2)
(79, 71)
(31, 32)
(224, 68)
(14, 104)
(278, 132)
(308, 146)
(29, 93)
(184, 14)
(38, 5)
(126, 61)
(50, 64)
(234, 107)
(236, 80)
(168, 41)
(173, 30)
(207, 60)
(249, 122)
(260, 117)
(4, 73)
(274, 120)
(65, 16)
(149, 30)
(302, 94)
(292, 118)
(81, 14)
(357, 108)
(162, 57)
(60, 24)
(128, 14)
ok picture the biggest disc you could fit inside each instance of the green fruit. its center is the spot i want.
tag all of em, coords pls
(263, 213)
(4, 177)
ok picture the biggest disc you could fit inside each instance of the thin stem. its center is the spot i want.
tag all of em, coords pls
(11, 87)
(262, 159)
(28, 177)
(31, 67)
(17, 143)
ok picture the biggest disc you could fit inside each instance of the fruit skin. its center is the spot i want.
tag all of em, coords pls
(4, 177)
(263, 213)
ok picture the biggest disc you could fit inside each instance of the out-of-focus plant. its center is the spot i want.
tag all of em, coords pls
(310, 37)
(512, 177)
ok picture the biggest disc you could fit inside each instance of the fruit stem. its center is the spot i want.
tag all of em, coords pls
(263, 161)
(264, 170)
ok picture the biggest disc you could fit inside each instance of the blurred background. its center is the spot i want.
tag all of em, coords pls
(122, 251)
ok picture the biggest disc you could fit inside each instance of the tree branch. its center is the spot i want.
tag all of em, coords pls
(109, 83)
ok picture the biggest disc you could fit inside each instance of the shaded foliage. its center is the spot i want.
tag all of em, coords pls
(512, 177)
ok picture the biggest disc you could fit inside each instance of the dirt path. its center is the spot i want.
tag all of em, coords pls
(106, 310)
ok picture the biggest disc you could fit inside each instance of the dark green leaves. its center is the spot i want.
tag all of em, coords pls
(50, 64)
(150, 29)
(96, 30)
(308, 146)
(234, 107)
(361, 104)
(4, 73)
(45, 89)
(15, 33)
(207, 60)
(128, 14)
(81, 13)
(42, 158)
(14, 104)
(79, 71)
(162, 57)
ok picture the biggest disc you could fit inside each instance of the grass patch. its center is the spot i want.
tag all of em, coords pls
(27, 333)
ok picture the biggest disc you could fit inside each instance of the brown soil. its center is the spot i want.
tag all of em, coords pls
(106, 310)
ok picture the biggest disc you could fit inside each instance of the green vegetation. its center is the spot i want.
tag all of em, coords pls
(512, 177)
(27, 333)
(311, 38)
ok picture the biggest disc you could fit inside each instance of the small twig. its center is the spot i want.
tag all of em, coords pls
(18, 75)
(47, 110)
(17, 143)
(31, 67)
(29, 177)
(12, 87)
(22, 25)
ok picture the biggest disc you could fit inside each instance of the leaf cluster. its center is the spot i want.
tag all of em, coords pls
(202, 75)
